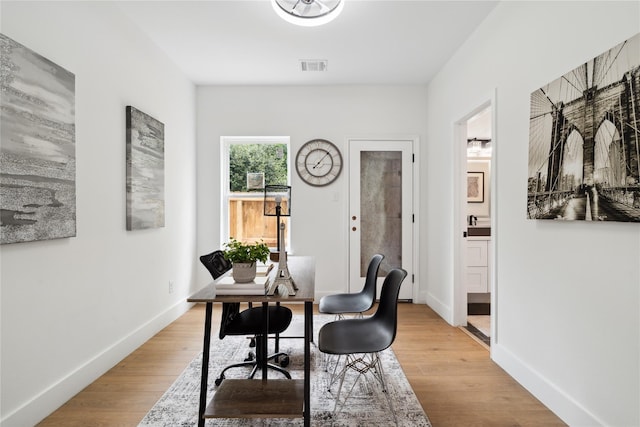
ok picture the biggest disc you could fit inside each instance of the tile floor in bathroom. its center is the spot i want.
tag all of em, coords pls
(480, 327)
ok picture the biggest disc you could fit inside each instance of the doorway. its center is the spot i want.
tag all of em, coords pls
(381, 209)
(474, 290)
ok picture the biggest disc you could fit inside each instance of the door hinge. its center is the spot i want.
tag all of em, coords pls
(413, 217)
(413, 278)
(413, 158)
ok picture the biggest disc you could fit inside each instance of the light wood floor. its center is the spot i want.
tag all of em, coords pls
(452, 375)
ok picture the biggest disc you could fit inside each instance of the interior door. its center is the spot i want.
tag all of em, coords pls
(381, 210)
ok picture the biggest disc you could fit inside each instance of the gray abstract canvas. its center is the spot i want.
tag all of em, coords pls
(37, 146)
(145, 171)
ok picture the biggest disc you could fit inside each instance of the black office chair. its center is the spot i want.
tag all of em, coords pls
(361, 340)
(249, 322)
(341, 304)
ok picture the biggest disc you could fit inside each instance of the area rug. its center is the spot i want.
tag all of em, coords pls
(367, 404)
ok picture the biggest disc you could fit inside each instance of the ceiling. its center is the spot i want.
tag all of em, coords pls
(244, 42)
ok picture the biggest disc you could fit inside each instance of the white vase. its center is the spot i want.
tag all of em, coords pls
(244, 272)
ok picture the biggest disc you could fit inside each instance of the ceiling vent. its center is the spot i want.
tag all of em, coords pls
(313, 64)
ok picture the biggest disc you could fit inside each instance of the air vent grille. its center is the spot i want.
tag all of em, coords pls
(313, 65)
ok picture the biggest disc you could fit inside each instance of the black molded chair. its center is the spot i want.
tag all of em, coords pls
(249, 322)
(341, 304)
(361, 340)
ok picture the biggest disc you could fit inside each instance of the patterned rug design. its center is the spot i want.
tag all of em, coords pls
(367, 405)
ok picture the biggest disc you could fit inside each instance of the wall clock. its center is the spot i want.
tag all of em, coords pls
(318, 162)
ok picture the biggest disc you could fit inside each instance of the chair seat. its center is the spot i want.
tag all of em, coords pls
(344, 303)
(249, 321)
(353, 336)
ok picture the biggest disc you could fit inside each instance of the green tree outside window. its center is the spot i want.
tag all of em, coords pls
(270, 159)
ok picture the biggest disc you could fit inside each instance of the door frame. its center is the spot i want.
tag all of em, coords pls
(460, 217)
(412, 276)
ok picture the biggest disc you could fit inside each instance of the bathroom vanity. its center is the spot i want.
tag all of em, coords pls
(478, 250)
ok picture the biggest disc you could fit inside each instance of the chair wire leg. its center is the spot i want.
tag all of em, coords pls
(358, 364)
(333, 376)
(361, 365)
(343, 373)
(380, 376)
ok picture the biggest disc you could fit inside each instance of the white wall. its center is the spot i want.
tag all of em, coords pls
(319, 221)
(567, 292)
(72, 308)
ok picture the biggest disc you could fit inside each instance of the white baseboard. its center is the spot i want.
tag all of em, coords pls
(439, 307)
(50, 399)
(566, 408)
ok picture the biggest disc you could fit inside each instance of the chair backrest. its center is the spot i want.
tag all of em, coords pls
(370, 283)
(387, 313)
(216, 263)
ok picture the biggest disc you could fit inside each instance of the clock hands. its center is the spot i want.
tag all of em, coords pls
(321, 159)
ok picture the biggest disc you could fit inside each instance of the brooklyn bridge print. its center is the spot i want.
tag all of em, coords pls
(584, 137)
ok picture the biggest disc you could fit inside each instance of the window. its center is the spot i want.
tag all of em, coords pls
(248, 164)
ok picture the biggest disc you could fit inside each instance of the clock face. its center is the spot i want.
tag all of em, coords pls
(318, 162)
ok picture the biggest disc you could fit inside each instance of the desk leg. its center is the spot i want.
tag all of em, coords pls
(265, 341)
(204, 379)
(308, 334)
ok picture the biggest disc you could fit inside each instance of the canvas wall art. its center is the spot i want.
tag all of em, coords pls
(584, 141)
(145, 171)
(37, 146)
(475, 187)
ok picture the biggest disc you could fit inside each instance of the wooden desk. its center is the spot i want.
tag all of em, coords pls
(231, 399)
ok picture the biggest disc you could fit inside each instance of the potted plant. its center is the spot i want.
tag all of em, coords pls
(244, 256)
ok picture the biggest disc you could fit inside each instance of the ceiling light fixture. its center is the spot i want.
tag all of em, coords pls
(308, 13)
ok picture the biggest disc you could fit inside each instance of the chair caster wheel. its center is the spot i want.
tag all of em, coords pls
(219, 380)
(252, 343)
(284, 362)
(250, 357)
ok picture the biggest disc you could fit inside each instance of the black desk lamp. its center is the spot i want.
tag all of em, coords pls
(277, 202)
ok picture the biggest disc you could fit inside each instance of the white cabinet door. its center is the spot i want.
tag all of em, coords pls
(477, 253)
(477, 266)
(477, 280)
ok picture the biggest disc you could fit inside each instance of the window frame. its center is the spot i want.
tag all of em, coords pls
(225, 193)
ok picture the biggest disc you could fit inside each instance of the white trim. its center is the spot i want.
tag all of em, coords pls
(443, 310)
(495, 232)
(459, 292)
(54, 396)
(559, 402)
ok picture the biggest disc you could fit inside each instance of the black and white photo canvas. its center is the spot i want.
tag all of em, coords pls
(37, 146)
(145, 171)
(584, 136)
